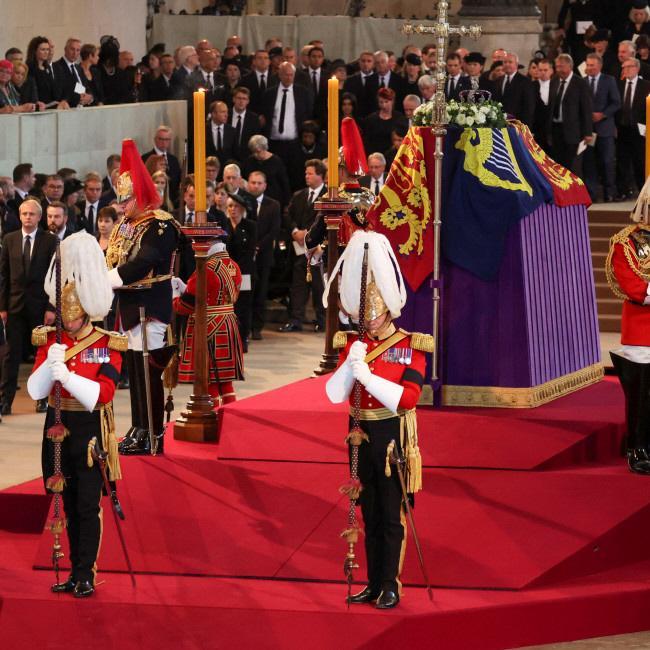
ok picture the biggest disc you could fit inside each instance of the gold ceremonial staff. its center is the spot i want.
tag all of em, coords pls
(442, 30)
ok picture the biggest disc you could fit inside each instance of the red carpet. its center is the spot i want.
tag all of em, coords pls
(298, 423)
(243, 553)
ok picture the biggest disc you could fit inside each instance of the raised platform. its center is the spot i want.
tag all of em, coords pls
(245, 551)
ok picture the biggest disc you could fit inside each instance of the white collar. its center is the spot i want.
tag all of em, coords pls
(260, 198)
(236, 112)
(633, 80)
(29, 234)
(159, 152)
(317, 190)
(69, 63)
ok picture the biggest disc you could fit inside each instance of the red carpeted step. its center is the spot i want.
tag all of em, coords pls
(298, 423)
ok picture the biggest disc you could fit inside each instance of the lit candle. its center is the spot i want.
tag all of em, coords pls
(333, 132)
(647, 139)
(199, 156)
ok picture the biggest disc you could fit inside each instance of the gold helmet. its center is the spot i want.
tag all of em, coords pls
(375, 305)
(71, 307)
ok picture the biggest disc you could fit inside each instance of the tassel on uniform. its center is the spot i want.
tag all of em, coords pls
(89, 453)
(413, 456)
(57, 433)
(389, 452)
(352, 489)
(109, 443)
(55, 483)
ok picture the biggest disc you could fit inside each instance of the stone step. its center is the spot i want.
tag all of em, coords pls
(607, 215)
(609, 323)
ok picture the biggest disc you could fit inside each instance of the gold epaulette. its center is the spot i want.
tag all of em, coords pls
(40, 334)
(116, 341)
(622, 237)
(341, 339)
(422, 342)
(161, 215)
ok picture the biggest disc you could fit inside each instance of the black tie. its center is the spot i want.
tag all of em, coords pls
(91, 220)
(189, 220)
(72, 70)
(558, 101)
(314, 82)
(283, 110)
(627, 105)
(376, 186)
(452, 87)
(219, 141)
(381, 82)
(238, 127)
(27, 254)
(262, 83)
(593, 85)
(210, 86)
(506, 84)
(311, 196)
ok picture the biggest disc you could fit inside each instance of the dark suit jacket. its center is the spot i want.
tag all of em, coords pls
(641, 91)
(229, 143)
(320, 98)
(519, 98)
(250, 127)
(463, 83)
(196, 80)
(250, 81)
(65, 81)
(107, 197)
(300, 213)
(395, 82)
(354, 84)
(268, 229)
(173, 171)
(82, 222)
(369, 182)
(542, 115)
(607, 100)
(303, 103)
(242, 244)
(576, 109)
(17, 290)
(8, 218)
(161, 90)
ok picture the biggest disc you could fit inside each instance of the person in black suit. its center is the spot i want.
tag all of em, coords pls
(376, 177)
(515, 91)
(285, 107)
(541, 91)
(315, 79)
(301, 216)
(221, 138)
(631, 121)
(455, 83)
(271, 165)
(241, 248)
(570, 120)
(599, 160)
(357, 84)
(259, 79)
(91, 205)
(384, 78)
(53, 190)
(112, 164)
(162, 142)
(57, 220)
(69, 77)
(24, 261)
(268, 230)
(245, 122)
(627, 52)
(378, 126)
(23, 178)
(8, 218)
(166, 86)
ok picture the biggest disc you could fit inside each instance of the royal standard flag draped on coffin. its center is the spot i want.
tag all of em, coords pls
(492, 178)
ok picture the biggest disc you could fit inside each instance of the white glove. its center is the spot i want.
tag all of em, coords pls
(60, 372)
(361, 372)
(178, 287)
(358, 351)
(56, 353)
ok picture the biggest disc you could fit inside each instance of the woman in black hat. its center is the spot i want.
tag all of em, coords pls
(241, 249)
(411, 72)
(638, 21)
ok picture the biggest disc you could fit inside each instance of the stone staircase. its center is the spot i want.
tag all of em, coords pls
(603, 223)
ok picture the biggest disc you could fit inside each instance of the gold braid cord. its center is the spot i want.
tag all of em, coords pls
(638, 267)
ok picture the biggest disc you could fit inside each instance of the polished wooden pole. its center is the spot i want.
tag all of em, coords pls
(333, 208)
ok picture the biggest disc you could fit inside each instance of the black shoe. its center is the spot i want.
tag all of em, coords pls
(83, 589)
(319, 327)
(6, 409)
(64, 587)
(135, 444)
(387, 600)
(123, 384)
(257, 335)
(244, 345)
(637, 460)
(41, 405)
(368, 595)
(290, 327)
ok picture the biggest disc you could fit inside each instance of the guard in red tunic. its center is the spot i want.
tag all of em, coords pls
(225, 351)
(628, 274)
(87, 363)
(390, 365)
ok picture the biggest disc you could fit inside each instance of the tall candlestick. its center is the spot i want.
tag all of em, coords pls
(333, 133)
(647, 139)
(199, 156)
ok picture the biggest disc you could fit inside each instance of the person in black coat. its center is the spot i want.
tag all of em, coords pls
(357, 84)
(570, 117)
(241, 248)
(23, 301)
(268, 219)
(166, 86)
(515, 92)
(384, 78)
(162, 143)
(245, 122)
(91, 76)
(630, 122)
(259, 79)
(377, 127)
(541, 91)
(455, 83)
(220, 138)
(274, 170)
(69, 77)
(40, 70)
(315, 77)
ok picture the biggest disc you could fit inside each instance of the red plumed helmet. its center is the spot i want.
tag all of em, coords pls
(353, 151)
(142, 185)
